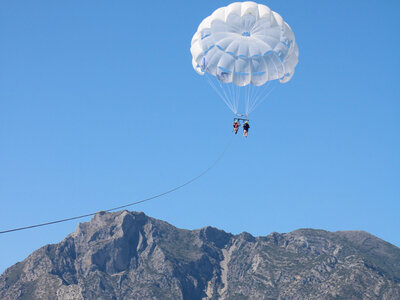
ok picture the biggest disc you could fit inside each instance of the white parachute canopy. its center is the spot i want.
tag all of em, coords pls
(243, 46)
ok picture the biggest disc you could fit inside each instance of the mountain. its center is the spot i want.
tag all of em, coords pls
(128, 255)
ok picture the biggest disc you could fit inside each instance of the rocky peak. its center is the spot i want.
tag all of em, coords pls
(128, 255)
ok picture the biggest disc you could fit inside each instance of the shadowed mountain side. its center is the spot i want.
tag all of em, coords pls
(128, 255)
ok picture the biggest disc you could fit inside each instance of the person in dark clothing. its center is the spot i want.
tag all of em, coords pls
(236, 126)
(246, 127)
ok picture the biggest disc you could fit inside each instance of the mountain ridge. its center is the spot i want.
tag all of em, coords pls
(128, 255)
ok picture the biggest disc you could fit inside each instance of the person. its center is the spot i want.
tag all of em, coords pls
(236, 126)
(246, 127)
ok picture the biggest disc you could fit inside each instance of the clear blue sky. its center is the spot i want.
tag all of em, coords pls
(100, 106)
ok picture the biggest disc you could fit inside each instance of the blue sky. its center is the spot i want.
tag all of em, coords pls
(100, 106)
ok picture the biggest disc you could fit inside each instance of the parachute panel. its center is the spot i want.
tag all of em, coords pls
(243, 44)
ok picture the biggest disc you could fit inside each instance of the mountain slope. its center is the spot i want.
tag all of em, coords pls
(128, 255)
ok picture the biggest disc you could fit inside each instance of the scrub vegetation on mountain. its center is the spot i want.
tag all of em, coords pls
(128, 255)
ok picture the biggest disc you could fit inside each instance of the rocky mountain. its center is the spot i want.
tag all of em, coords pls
(128, 255)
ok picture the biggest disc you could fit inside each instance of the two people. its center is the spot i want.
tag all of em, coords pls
(236, 126)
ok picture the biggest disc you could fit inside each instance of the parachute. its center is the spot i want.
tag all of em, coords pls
(244, 49)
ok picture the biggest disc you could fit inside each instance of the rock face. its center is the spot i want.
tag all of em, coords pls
(128, 255)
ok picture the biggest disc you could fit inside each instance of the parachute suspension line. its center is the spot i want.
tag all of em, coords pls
(247, 90)
(236, 93)
(224, 96)
(263, 96)
(129, 204)
(230, 97)
(230, 91)
(212, 84)
(261, 92)
(239, 65)
(252, 94)
(254, 90)
(233, 95)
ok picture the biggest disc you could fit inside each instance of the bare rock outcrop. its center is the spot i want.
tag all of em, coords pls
(128, 255)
